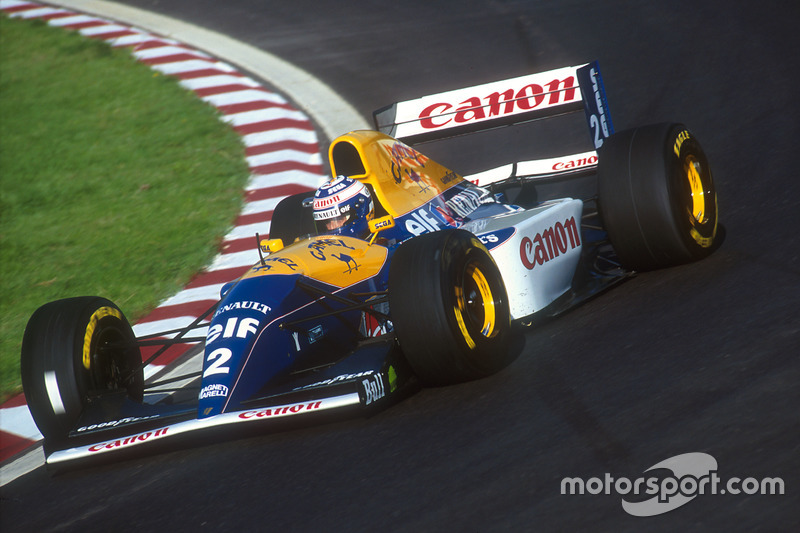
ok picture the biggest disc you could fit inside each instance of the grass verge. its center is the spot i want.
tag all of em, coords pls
(116, 182)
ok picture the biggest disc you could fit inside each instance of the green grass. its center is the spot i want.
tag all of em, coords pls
(116, 182)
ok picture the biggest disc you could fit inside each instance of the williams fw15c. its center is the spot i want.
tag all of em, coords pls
(397, 273)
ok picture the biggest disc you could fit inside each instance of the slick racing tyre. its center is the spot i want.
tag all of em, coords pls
(657, 197)
(290, 220)
(449, 308)
(73, 350)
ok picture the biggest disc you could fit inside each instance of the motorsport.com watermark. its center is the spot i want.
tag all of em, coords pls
(693, 474)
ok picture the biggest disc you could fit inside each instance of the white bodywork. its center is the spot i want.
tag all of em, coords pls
(536, 250)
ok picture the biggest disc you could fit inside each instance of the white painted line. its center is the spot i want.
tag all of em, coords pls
(250, 230)
(9, 4)
(34, 13)
(259, 206)
(333, 114)
(130, 40)
(70, 21)
(288, 177)
(243, 97)
(284, 155)
(207, 292)
(181, 67)
(31, 460)
(168, 324)
(263, 115)
(18, 421)
(218, 80)
(282, 134)
(100, 30)
(236, 259)
(166, 51)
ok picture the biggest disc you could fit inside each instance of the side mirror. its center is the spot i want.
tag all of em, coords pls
(269, 246)
(377, 225)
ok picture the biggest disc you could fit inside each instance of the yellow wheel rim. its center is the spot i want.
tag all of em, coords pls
(478, 301)
(698, 194)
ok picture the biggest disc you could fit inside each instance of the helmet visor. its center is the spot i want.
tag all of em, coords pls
(331, 219)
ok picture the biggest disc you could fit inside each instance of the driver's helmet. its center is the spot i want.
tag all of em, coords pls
(343, 206)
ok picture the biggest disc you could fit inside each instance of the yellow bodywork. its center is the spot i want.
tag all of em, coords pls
(336, 260)
(401, 178)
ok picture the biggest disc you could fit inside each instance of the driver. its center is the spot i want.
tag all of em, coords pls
(343, 206)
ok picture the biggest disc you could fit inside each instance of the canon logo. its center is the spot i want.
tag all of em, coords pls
(321, 203)
(278, 411)
(497, 104)
(129, 440)
(549, 244)
(575, 163)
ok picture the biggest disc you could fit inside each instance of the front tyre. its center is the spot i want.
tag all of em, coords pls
(73, 350)
(449, 308)
(657, 197)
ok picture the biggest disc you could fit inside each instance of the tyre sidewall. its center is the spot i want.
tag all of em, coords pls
(645, 201)
(59, 337)
(697, 236)
(422, 298)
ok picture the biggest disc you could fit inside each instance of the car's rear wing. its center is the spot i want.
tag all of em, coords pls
(501, 103)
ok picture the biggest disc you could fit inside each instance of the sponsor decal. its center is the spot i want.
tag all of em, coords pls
(373, 389)
(467, 201)
(255, 306)
(347, 260)
(549, 244)
(599, 121)
(279, 411)
(115, 423)
(96, 317)
(337, 379)
(404, 154)
(135, 439)
(270, 262)
(241, 328)
(328, 214)
(421, 221)
(319, 248)
(322, 203)
(576, 163)
(404, 160)
(498, 104)
(213, 390)
(682, 136)
(383, 224)
(450, 176)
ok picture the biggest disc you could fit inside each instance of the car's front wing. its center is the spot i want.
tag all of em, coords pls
(160, 434)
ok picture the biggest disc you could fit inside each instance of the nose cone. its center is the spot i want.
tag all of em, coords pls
(240, 318)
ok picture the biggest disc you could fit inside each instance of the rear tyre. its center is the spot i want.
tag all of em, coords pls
(449, 308)
(290, 220)
(657, 197)
(72, 350)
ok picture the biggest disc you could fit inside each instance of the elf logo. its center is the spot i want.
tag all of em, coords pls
(421, 221)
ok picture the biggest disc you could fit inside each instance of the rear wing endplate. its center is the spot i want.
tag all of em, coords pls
(501, 103)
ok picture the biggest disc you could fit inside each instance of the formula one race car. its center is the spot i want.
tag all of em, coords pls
(398, 272)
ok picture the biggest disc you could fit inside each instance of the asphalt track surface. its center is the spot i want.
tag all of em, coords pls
(698, 358)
